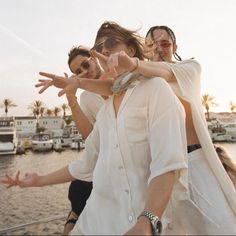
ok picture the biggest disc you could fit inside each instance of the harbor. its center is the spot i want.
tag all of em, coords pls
(34, 211)
(40, 211)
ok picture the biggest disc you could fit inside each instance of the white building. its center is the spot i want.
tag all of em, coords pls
(52, 123)
(25, 126)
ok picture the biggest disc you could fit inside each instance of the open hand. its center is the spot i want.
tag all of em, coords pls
(116, 63)
(68, 85)
(30, 180)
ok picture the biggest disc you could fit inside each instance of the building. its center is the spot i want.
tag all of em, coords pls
(25, 126)
(52, 123)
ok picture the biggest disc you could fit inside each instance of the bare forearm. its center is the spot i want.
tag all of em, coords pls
(158, 195)
(102, 87)
(159, 192)
(149, 69)
(60, 176)
(81, 121)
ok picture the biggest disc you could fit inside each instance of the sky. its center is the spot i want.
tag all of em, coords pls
(36, 35)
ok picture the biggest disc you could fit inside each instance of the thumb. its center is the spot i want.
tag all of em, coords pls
(109, 75)
(101, 57)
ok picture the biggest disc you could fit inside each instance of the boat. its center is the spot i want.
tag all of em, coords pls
(42, 142)
(57, 145)
(77, 142)
(8, 139)
(222, 137)
(231, 130)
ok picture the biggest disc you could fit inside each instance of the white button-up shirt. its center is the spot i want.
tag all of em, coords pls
(123, 153)
(90, 104)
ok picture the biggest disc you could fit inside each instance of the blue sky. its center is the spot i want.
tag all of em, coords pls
(36, 35)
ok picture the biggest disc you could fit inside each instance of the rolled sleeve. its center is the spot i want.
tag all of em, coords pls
(167, 133)
(83, 169)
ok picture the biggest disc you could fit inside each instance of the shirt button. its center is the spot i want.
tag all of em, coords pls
(127, 191)
(120, 167)
(131, 218)
(116, 146)
(170, 226)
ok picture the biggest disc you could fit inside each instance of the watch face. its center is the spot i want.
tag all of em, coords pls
(158, 226)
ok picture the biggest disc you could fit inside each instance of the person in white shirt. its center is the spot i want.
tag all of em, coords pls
(84, 115)
(213, 197)
(211, 189)
(136, 156)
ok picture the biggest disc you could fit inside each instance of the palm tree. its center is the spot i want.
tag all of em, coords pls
(56, 111)
(36, 107)
(8, 103)
(49, 112)
(64, 107)
(208, 102)
(42, 109)
(68, 119)
(232, 106)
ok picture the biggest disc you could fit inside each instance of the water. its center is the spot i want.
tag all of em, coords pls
(21, 206)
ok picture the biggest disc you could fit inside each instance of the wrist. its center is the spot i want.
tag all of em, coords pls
(72, 100)
(136, 64)
(78, 82)
(154, 221)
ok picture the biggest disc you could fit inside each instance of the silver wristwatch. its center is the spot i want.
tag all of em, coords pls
(155, 222)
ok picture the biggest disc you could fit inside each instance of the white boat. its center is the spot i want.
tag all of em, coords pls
(57, 145)
(77, 142)
(42, 142)
(8, 140)
(231, 130)
(221, 137)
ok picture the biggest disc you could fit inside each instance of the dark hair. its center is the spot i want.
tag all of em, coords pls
(169, 32)
(111, 29)
(227, 161)
(75, 51)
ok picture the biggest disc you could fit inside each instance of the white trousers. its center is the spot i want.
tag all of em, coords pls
(205, 192)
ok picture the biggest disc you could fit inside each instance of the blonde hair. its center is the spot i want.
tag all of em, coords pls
(228, 162)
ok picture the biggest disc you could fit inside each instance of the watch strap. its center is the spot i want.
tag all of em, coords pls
(153, 218)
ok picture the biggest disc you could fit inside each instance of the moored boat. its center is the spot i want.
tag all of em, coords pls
(8, 140)
(42, 142)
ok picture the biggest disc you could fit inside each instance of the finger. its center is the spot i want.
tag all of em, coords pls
(113, 61)
(44, 80)
(51, 76)
(62, 92)
(38, 85)
(44, 88)
(9, 181)
(82, 74)
(48, 75)
(100, 56)
(41, 84)
(17, 180)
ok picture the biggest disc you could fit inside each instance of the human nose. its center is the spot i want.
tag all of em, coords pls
(106, 52)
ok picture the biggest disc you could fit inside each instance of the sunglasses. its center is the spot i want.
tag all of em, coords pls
(163, 44)
(111, 42)
(84, 65)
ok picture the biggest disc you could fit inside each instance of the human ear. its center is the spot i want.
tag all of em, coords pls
(131, 51)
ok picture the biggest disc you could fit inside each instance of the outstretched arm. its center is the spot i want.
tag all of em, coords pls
(121, 62)
(34, 180)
